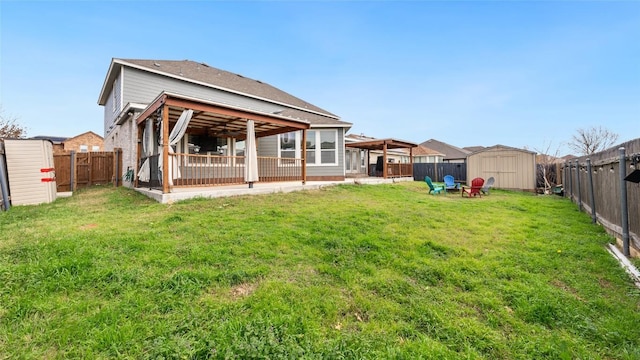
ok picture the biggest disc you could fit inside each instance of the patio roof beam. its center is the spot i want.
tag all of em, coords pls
(234, 113)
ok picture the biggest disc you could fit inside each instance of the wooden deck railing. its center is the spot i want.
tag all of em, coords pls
(399, 170)
(211, 170)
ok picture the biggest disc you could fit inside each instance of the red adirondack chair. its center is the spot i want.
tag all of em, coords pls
(476, 186)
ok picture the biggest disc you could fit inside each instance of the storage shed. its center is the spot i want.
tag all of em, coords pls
(512, 168)
(30, 171)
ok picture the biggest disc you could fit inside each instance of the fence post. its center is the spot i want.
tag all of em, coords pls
(594, 217)
(4, 182)
(578, 183)
(622, 169)
(115, 171)
(570, 182)
(72, 170)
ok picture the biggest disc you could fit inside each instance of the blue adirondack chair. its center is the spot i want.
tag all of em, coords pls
(432, 188)
(450, 184)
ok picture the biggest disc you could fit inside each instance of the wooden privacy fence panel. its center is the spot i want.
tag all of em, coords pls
(437, 171)
(62, 163)
(605, 177)
(78, 170)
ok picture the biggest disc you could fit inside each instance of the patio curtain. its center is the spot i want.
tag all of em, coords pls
(176, 135)
(251, 156)
(144, 173)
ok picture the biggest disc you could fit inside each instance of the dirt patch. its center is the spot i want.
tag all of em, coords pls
(243, 290)
(88, 226)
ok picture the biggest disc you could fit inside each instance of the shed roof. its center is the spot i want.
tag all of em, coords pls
(502, 147)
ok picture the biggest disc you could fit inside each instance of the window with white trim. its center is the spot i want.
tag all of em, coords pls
(321, 147)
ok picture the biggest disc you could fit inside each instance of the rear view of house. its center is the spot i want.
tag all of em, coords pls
(185, 123)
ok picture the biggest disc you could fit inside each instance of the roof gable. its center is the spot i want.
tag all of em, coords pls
(450, 151)
(85, 134)
(203, 74)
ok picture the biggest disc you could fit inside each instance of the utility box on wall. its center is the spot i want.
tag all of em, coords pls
(31, 171)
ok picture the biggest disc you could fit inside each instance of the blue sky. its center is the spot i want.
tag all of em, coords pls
(517, 73)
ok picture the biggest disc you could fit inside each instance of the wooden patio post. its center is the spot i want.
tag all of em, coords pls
(165, 149)
(304, 156)
(411, 160)
(384, 160)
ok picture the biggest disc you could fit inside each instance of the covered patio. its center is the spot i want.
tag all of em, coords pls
(386, 169)
(227, 153)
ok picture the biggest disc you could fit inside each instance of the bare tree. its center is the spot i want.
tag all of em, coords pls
(10, 128)
(547, 168)
(591, 140)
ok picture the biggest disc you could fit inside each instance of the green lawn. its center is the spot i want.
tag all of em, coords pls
(364, 272)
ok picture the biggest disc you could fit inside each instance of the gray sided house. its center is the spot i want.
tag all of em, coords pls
(184, 123)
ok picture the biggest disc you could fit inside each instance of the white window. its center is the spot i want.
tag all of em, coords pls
(322, 146)
(84, 148)
(95, 148)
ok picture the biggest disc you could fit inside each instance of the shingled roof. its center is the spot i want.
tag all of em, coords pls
(201, 73)
(451, 152)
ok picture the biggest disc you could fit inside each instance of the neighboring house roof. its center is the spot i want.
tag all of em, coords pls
(422, 150)
(203, 74)
(83, 134)
(53, 139)
(473, 148)
(503, 147)
(451, 152)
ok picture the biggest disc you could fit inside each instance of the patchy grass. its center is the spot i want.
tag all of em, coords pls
(384, 271)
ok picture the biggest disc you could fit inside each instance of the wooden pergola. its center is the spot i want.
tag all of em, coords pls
(384, 145)
(210, 116)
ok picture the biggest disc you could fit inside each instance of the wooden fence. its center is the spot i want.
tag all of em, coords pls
(600, 192)
(437, 171)
(78, 170)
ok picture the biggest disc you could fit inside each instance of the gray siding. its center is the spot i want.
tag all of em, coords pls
(143, 87)
(114, 99)
(268, 146)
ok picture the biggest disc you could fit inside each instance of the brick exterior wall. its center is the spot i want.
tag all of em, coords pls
(88, 139)
(125, 137)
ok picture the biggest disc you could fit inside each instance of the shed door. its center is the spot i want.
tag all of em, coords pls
(508, 170)
(502, 168)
